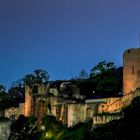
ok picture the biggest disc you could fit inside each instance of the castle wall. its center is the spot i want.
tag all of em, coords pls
(43, 88)
(111, 105)
(80, 113)
(28, 101)
(11, 113)
(116, 104)
(76, 113)
(14, 113)
(105, 118)
(131, 70)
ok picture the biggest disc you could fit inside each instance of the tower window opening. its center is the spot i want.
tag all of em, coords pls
(35, 89)
(133, 70)
(129, 51)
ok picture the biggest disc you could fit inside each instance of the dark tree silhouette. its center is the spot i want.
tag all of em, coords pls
(38, 76)
(2, 88)
(107, 79)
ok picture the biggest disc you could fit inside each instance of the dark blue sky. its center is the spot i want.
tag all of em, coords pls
(64, 36)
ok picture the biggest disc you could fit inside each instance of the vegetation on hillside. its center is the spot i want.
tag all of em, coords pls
(107, 79)
(25, 129)
(104, 80)
(54, 130)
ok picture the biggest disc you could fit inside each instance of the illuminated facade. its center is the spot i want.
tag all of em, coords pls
(131, 70)
(28, 99)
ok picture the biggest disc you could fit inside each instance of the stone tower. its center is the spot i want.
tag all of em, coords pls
(28, 101)
(131, 70)
(36, 101)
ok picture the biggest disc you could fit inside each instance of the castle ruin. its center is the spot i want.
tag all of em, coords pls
(41, 100)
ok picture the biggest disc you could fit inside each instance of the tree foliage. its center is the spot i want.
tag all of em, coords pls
(29, 79)
(2, 88)
(41, 76)
(86, 86)
(38, 76)
(24, 129)
(83, 74)
(102, 68)
(107, 78)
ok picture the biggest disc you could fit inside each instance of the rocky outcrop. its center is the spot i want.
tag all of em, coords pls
(4, 130)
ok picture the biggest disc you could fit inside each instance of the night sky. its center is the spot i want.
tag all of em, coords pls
(64, 36)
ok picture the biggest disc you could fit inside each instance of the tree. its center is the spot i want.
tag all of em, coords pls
(2, 88)
(38, 76)
(86, 86)
(83, 74)
(102, 68)
(41, 76)
(106, 79)
(29, 79)
(17, 93)
(24, 129)
(18, 83)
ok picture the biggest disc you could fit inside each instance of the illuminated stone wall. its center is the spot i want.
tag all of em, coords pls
(32, 97)
(11, 112)
(76, 113)
(105, 118)
(131, 81)
(110, 105)
(21, 109)
(42, 89)
(131, 70)
(14, 113)
(41, 111)
(28, 101)
(80, 113)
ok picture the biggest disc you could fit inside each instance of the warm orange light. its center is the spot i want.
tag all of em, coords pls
(27, 102)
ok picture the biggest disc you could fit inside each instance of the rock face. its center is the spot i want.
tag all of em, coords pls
(4, 130)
